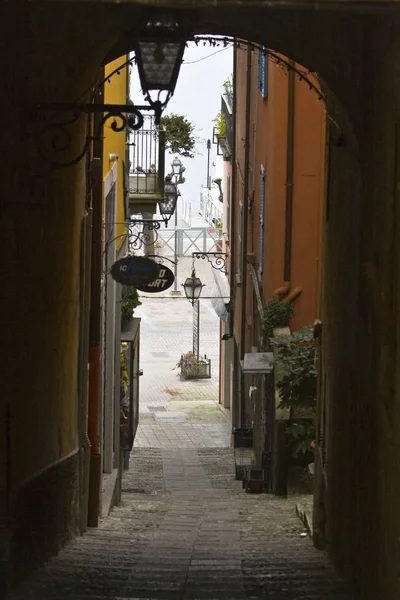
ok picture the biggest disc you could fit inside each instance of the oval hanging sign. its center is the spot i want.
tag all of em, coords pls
(134, 270)
(162, 282)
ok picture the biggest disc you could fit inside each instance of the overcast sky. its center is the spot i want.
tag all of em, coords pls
(198, 97)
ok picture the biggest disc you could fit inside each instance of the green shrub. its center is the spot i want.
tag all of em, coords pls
(298, 387)
(129, 301)
(299, 437)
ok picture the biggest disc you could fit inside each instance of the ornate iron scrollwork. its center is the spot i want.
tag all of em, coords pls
(217, 260)
(147, 235)
(141, 233)
(54, 139)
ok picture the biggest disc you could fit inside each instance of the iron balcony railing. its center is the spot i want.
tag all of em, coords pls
(146, 165)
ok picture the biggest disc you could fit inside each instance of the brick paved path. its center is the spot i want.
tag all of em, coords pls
(185, 529)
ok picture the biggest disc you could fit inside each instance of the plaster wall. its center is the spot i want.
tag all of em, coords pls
(308, 189)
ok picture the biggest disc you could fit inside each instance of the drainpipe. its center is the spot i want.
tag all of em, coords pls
(287, 273)
(95, 339)
(232, 211)
(243, 258)
(232, 242)
(208, 164)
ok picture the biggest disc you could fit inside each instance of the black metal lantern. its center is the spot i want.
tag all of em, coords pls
(193, 287)
(168, 205)
(177, 170)
(159, 54)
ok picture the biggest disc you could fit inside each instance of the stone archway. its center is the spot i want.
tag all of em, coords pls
(53, 52)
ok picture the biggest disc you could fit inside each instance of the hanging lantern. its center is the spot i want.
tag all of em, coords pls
(193, 287)
(159, 54)
(168, 205)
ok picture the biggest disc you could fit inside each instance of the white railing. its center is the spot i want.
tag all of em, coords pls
(197, 239)
(186, 213)
(210, 208)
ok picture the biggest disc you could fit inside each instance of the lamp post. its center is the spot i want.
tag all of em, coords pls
(177, 171)
(193, 287)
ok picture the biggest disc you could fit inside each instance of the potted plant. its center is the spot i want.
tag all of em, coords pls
(277, 313)
(194, 367)
(220, 124)
(129, 301)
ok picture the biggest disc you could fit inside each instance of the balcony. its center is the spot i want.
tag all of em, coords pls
(146, 168)
(223, 136)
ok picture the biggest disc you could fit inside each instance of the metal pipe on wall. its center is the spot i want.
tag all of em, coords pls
(289, 174)
(95, 341)
(232, 227)
(232, 209)
(244, 233)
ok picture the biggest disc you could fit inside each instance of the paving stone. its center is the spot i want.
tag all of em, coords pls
(185, 530)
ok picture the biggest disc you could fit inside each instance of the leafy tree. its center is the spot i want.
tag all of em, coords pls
(179, 136)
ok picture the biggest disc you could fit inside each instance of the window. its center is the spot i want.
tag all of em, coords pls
(263, 72)
(262, 212)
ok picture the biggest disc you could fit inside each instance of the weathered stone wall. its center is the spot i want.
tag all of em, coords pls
(52, 52)
(360, 328)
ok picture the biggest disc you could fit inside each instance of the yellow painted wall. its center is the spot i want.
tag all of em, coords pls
(116, 92)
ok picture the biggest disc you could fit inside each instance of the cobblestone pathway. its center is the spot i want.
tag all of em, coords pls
(185, 529)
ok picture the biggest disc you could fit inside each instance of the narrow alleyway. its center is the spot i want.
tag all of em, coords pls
(185, 529)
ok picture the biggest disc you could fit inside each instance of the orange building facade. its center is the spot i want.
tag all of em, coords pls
(275, 216)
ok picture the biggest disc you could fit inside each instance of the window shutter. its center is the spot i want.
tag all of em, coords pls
(263, 73)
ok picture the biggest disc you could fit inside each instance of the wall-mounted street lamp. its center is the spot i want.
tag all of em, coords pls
(177, 170)
(159, 54)
(167, 206)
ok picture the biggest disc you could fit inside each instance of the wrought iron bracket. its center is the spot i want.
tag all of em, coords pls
(151, 224)
(147, 235)
(217, 260)
(54, 137)
(137, 238)
(161, 259)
